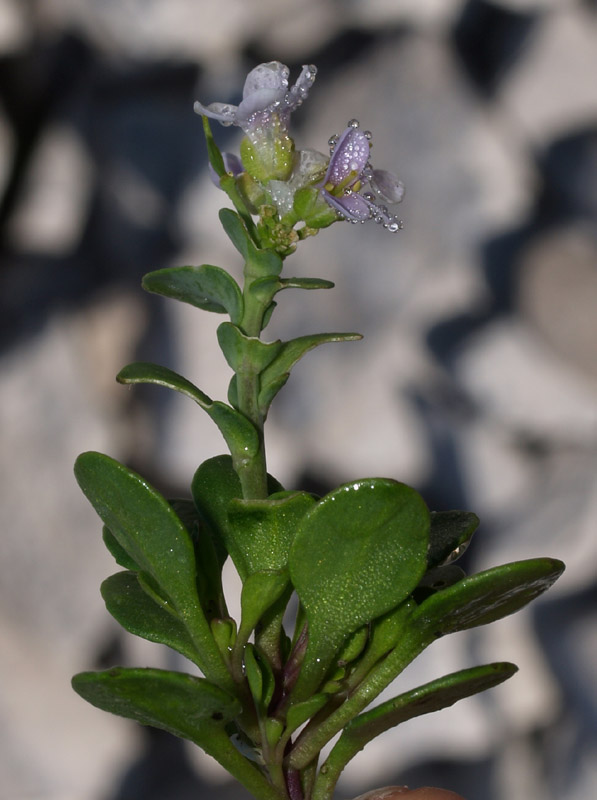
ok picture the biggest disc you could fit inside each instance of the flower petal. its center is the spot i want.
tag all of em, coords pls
(351, 154)
(258, 102)
(387, 186)
(352, 206)
(232, 164)
(272, 75)
(222, 112)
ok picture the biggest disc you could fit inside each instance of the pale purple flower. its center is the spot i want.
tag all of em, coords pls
(349, 171)
(265, 93)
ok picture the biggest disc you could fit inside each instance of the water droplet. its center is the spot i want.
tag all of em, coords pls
(353, 123)
(368, 135)
(333, 140)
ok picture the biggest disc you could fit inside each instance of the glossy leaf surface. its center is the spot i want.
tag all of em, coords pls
(260, 591)
(259, 532)
(207, 287)
(215, 484)
(188, 707)
(449, 535)
(357, 554)
(485, 597)
(148, 529)
(120, 555)
(130, 605)
(433, 696)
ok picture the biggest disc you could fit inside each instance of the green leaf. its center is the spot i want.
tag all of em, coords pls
(206, 287)
(138, 614)
(188, 707)
(450, 535)
(357, 554)
(208, 558)
(385, 634)
(476, 600)
(437, 579)
(121, 557)
(299, 713)
(236, 232)
(258, 263)
(275, 375)
(259, 676)
(305, 283)
(147, 528)
(239, 434)
(245, 353)
(484, 597)
(213, 152)
(266, 288)
(260, 591)
(430, 697)
(215, 484)
(259, 532)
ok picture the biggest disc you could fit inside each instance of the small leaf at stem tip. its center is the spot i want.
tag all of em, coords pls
(207, 287)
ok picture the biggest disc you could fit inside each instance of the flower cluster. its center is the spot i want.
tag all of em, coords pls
(286, 187)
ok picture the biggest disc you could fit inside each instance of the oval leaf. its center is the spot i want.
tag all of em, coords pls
(138, 614)
(183, 705)
(357, 554)
(207, 287)
(148, 529)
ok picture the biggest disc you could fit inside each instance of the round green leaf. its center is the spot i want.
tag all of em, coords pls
(357, 554)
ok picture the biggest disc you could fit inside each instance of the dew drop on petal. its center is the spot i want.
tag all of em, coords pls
(353, 123)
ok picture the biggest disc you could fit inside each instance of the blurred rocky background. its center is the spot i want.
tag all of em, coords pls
(476, 381)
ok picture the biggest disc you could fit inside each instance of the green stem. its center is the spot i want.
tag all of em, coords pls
(315, 737)
(252, 473)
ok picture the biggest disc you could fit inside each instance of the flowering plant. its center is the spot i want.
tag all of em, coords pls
(340, 593)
